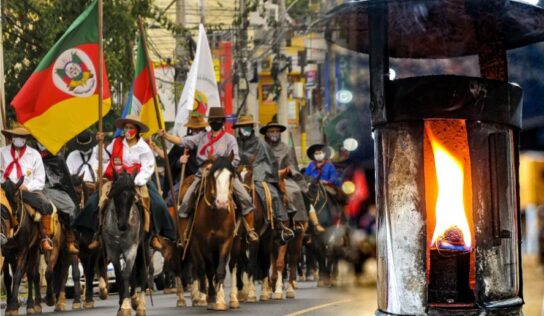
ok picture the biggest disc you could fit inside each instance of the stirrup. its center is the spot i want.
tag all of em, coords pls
(46, 241)
(286, 234)
(252, 236)
(3, 239)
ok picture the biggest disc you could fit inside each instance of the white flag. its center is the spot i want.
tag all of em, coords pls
(200, 91)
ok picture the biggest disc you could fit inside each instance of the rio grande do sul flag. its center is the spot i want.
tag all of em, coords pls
(60, 99)
(141, 102)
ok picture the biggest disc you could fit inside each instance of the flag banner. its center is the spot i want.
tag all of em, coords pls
(60, 99)
(200, 91)
(143, 93)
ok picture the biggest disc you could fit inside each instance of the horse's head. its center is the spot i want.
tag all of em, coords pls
(312, 189)
(79, 186)
(12, 191)
(220, 175)
(123, 194)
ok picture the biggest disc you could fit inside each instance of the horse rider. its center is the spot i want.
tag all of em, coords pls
(60, 190)
(265, 171)
(131, 154)
(294, 180)
(320, 167)
(196, 124)
(19, 160)
(83, 160)
(215, 143)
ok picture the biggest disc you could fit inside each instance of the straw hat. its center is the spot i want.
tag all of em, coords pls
(265, 128)
(196, 121)
(321, 147)
(245, 120)
(17, 130)
(132, 119)
(216, 112)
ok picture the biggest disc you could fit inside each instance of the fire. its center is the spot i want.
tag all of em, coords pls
(451, 229)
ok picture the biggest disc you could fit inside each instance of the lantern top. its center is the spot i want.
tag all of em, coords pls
(436, 28)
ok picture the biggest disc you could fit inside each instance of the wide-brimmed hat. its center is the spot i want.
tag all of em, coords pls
(265, 128)
(16, 130)
(132, 119)
(245, 120)
(84, 141)
(216, 112)
(196, 121)
(322, 147)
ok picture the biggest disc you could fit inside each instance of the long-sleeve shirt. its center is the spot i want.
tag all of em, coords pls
(265, 166)
(221, 148)
(327, 172)
(141, 154)
(75, 160)
(31, 166)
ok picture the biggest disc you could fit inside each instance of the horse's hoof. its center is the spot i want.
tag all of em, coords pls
(134, 302)
(30, 311)
(200, 303)
(277, 296)
(60, 308)
(321, 283)
(37, 309)
(264, 297)
(140, 312)
(290, 294)
(211, 306)
(181, 303)
(76, 306)
(12, 312)
(251, 299)
(295, 284)
(50, 300)
(88, 305)
(124, 312)
(170, 291)
(220, 307)
(234, 304)
(103, 293)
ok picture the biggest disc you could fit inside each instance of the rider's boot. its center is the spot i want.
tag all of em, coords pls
(182, 231)
(71, 242)
(45, 228)
(252, 235)
(286, 233)
(156, 242)
(95, 243)
(315, 222)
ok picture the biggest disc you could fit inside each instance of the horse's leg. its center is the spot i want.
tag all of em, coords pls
(33, 275)
(279, 266)
(102, 266)
(62, 274)
(233, 265)
(30, 275)
(211, 288)
(12, 307)
(89, 262)
(295, 249)
(51, 260)
(322, 263)
(76, 275)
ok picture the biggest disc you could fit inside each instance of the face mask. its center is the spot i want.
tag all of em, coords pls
(130, 134)
(319, 157)
(274, 138)
(246, 131)
(18, 142)
(41, 147)
(216, 125)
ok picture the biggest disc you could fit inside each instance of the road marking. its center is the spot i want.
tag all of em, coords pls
(314, 308)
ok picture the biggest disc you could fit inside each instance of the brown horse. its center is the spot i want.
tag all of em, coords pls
(91, 260)
(21, 253)
(213, 228)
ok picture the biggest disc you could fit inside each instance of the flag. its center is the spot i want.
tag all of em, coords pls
(143, 92)
(126, 110)
(60, 99)
(200, 91)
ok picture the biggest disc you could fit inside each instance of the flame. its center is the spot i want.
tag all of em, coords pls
(451, 217)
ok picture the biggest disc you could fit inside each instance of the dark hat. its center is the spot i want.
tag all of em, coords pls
(216, 112)
(196, 121)
(245, 120)
(322, 147)
(132, 119)
(84, 141)
(17, 130)
(265, 128)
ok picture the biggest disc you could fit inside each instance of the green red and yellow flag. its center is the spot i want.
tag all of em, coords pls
(60, 99)
(144, 90)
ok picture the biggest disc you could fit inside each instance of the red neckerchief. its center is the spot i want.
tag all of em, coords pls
(211, 140)
(117, 154)
(15, 163)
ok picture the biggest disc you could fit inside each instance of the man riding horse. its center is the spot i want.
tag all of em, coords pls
(265, 172)
(132, 154)
(215, 143)
(294, 180)
(18, 160)
(83, 160)
(321, 168)
(60, 190)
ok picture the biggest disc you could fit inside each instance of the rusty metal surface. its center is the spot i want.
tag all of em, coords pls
(402, 287)
(436, 28)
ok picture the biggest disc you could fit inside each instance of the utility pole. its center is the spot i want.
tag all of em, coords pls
(3, 122)
(283, 73)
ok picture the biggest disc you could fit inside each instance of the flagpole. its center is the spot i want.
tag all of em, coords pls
(100, 93)
(2, 82)
(159, 121)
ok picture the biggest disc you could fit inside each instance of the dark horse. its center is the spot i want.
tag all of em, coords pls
(333, 244)
(21, 253)
(123, 238)
(213, 228)
(91, 260)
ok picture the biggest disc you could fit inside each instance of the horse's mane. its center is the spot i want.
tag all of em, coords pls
(123, 182)
(222, 163)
